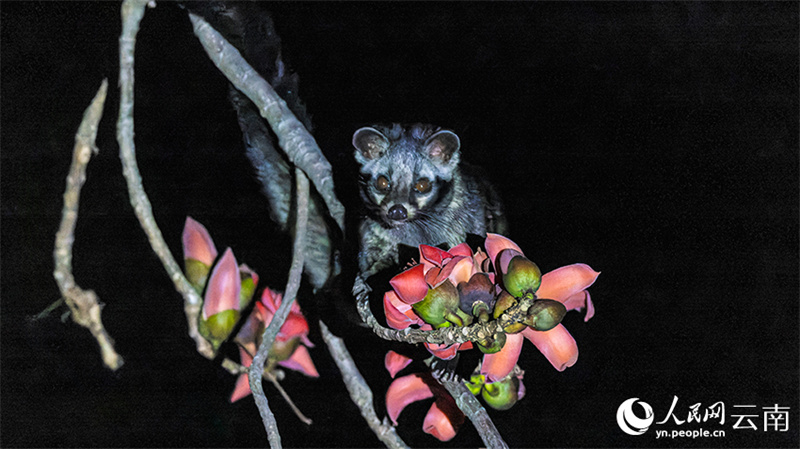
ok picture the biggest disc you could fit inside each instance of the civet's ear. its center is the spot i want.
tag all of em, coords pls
(370, 143)
(443, 147)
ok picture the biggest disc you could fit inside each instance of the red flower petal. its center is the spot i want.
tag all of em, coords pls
(496, 243)
(461, 249)
(403, 391)
(197, 243)
(300, 360)
(556, 344)
(462, 271)
(444, 352)
(438, 424)
(399, 315)
(497, 366)
(433, 254)
(224, 286)
(564, 282)
(242, 388)
(581, 300)
(410, 285)
(395, 362)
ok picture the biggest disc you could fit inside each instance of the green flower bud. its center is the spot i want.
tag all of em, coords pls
(545, 314)
(503, 394)
(439, 304)
(196, 274)
(522, 277)
(504, 302)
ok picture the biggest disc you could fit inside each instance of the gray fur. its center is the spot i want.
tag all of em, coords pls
(460, 200)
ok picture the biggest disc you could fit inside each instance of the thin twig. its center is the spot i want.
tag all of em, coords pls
(132, 12)
(289, 295)
(293, 137)
(274, 380)
(359, 390)
(84, 304)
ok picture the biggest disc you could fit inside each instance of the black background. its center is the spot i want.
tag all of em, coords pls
(657, 142)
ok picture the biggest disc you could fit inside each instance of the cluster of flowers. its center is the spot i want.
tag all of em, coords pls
(229, 288)
(459, 287)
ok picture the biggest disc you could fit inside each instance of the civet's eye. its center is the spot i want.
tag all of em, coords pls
(382, 183)
(423, 185)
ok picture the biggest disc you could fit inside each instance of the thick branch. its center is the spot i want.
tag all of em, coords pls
(132, 13)
(84, 304)
(359, 390)
(445, 335)
(289, 295)
(293, 137)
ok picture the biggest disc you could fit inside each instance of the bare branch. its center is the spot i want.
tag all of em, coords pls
(359, 390)
(293, 137)
(83, 304)
(132, 13)
(289, 295)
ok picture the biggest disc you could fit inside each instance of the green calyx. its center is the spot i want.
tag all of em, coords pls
(439, 308)
(503, 394)
(247, 291)
(545, 314)
(504, 302)
(218, 327)
(196, 274)
(522, 277)
(282, 350)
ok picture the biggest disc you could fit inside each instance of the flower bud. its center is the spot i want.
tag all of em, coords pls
(439, 304)
(249, 283)
(545, 314)
(504, 302)
(503, 394)
(521, 276)
(476, 296)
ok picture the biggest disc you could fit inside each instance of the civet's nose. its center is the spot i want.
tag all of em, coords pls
(397, 212)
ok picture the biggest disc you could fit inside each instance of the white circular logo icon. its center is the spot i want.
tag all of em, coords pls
(629, 422)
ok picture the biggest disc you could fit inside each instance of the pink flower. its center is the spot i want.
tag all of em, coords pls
(567, 285)
(290, 349)
(443, 418)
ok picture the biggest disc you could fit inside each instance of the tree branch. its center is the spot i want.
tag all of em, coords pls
(132, 13)
(445, 335)
(359, 390)
(293, 137)
(289, 295)
(83, 304)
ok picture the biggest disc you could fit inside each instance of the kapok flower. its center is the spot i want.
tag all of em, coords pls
(290, 349)
(443, 418)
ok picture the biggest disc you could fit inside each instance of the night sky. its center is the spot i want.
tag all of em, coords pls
(656, 142)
